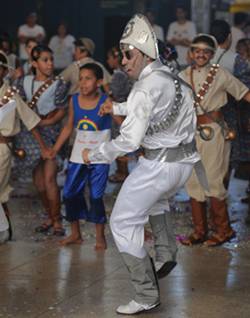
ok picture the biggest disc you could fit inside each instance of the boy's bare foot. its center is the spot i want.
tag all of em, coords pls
(101, 245)
(71, 240)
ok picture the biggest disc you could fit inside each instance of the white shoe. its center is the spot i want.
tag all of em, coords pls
(133, 308)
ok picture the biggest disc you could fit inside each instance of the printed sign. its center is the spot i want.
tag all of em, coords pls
(88, 140)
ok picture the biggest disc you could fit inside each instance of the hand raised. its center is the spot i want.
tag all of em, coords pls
(106, 108)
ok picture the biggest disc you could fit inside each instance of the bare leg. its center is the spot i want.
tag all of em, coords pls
(75, 237)
(101, 243)
(7, 213)
(53, 193)
(39, 182)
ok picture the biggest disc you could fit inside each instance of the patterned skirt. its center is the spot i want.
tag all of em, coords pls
(25, 140)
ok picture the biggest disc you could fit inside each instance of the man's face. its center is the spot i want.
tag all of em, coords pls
(30, 46)
(180, 14)
(133, 63)
(79, 53)
(62, 31)
(31, 20)
(201, 56)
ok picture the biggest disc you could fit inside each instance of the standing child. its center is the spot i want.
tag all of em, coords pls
(92, 130)
(211, 84)
(47, 95)
(12, 109)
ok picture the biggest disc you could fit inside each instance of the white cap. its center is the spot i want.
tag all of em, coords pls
(139, 34)
(204, 45)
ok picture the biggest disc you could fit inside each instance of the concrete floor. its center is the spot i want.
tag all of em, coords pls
(38, 278)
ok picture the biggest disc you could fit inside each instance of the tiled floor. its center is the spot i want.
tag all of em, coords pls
(38, 278)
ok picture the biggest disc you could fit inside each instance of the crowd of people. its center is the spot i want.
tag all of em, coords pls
(183, 100)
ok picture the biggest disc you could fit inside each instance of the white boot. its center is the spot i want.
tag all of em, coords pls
(133, 308)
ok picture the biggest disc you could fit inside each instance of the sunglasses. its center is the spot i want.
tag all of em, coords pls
(128, 54)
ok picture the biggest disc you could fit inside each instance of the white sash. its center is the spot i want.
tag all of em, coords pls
(88, 140)
(7, 108)
(4, 224)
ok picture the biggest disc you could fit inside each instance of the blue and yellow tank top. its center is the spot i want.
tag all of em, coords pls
(88, 119)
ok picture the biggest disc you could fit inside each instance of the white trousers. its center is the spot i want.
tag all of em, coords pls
(145, 192)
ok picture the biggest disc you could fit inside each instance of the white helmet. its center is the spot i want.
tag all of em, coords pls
(139, 34)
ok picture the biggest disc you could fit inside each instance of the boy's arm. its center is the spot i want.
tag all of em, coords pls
(67, 129)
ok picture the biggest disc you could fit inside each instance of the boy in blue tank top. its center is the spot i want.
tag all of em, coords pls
(91, 130)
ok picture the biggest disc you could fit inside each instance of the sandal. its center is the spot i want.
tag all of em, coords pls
(59, 231)
(193, 239)
(44, 228)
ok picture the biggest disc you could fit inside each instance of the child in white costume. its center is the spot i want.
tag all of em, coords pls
(161, 118)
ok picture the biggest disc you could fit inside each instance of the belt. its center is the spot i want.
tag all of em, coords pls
(171, 154)
(5, 140)
(177, 154)
(49, 115)
(209, 118)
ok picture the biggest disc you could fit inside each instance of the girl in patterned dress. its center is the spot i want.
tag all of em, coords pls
(46, 95)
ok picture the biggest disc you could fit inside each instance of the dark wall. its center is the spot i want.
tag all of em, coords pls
(101, 20)
(87, 18)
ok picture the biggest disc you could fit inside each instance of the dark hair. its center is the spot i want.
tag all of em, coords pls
(240, 17)
(167, 50)
(220, 30)
(3, 60)
(114, 51)
(7, 40)
(37, 50)
(205, 39)
(182, 7)
(95, 68)
(31, 40)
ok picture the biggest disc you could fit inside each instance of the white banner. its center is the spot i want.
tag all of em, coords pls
(89, 140)
(4, 110)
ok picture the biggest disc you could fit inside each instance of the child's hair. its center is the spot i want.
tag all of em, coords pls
(30, 40)
(3, 60)
(95, 68)
(38, 50)
(205, 39)
(220, 30)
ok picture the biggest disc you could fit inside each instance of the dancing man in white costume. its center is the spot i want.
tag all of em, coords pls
(160, 117)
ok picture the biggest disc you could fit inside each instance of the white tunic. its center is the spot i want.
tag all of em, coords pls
(147, 189)
(150, 100)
